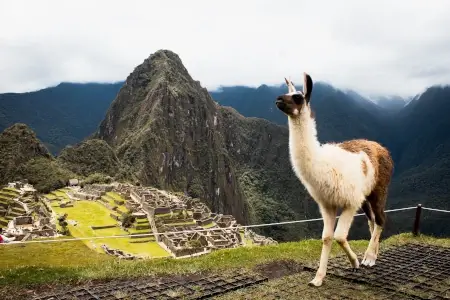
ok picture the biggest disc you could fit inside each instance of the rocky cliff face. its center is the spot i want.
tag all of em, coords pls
(167, 128)
(174, 136)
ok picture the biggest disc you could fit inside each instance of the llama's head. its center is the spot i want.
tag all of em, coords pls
(294, 101)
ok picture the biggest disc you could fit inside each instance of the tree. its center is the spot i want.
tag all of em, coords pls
(62, 221)
(128, 219)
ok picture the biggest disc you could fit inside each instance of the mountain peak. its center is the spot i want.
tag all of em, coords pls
(19, 144)
(163, 66)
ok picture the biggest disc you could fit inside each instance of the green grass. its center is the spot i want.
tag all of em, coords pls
(133, 230)
(3, 219)
(27, 265)
(50, 196)
(91, 213)
(142, 221)
(7, 195)
(66, 254)
(210, 225)
(163, 215)
(114, 195)
(12, 190)
(111, 196)
(60, 193)
(181, 224)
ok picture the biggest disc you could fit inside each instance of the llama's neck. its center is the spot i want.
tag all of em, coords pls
(303, 143)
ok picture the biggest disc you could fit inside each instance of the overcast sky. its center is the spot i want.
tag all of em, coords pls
(373, 47)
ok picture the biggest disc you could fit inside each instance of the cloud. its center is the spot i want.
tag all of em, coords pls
(374, 47)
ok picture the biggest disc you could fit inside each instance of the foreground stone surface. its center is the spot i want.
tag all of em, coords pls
(411, 271)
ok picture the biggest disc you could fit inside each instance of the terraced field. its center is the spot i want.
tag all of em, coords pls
(8, 208)
(96, 219)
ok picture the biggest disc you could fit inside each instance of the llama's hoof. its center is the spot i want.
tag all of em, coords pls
(315, 282)
(369, 260)
(355, 263)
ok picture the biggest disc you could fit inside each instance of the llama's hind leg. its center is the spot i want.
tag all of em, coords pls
(377, 202)
(370, 216)
(329, 220)
(372, 250)
(341, 233)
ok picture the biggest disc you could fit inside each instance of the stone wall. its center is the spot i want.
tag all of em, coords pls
(24, 220)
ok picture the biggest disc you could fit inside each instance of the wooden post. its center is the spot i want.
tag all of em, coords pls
(416, 228)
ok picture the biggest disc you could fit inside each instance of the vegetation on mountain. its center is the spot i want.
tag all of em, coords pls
(18, 145)
(93, 156)
(23, 156)
(45, 175)
(61, 115)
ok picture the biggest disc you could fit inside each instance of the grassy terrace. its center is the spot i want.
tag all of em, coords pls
(91, 213)
(6, 196)
(61, 263)
(210, 225)
(115, 199)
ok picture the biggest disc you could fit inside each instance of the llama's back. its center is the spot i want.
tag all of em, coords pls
(378, 155)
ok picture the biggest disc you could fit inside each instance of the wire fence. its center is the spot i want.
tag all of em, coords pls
(239, 227)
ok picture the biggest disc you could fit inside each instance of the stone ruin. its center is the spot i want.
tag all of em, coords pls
(154, 201)
(73, 182)
(178, 221)
(198, 242)
(26, 228)
(118, 253)
(257, 239)
(26, 216)
(92, 191)
(172, 215)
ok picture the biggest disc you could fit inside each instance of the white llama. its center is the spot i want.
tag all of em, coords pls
(349, 175)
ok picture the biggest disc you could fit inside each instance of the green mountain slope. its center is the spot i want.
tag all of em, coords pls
(61, 115)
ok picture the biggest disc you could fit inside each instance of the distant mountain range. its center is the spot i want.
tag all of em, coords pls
(60, 115)
(160, 127)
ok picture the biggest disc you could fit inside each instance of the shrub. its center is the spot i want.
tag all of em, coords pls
(98, 178)
(128, 219)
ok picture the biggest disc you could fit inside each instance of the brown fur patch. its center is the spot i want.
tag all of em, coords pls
(364, 167)
(383, 164)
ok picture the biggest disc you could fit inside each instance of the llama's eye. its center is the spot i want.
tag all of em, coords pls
(298, 99)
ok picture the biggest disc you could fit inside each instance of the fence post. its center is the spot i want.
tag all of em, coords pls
(417, 220)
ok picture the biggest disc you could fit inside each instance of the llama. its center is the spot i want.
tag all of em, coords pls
(350, 175)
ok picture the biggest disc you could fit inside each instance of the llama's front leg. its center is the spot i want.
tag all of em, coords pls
(329, 220)
(371, 226)
(341, 233)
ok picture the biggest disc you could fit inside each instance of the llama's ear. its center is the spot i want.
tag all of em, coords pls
(307, 86)
(291, 87)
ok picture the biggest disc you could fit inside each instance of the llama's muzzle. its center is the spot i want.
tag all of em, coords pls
(280, 103)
